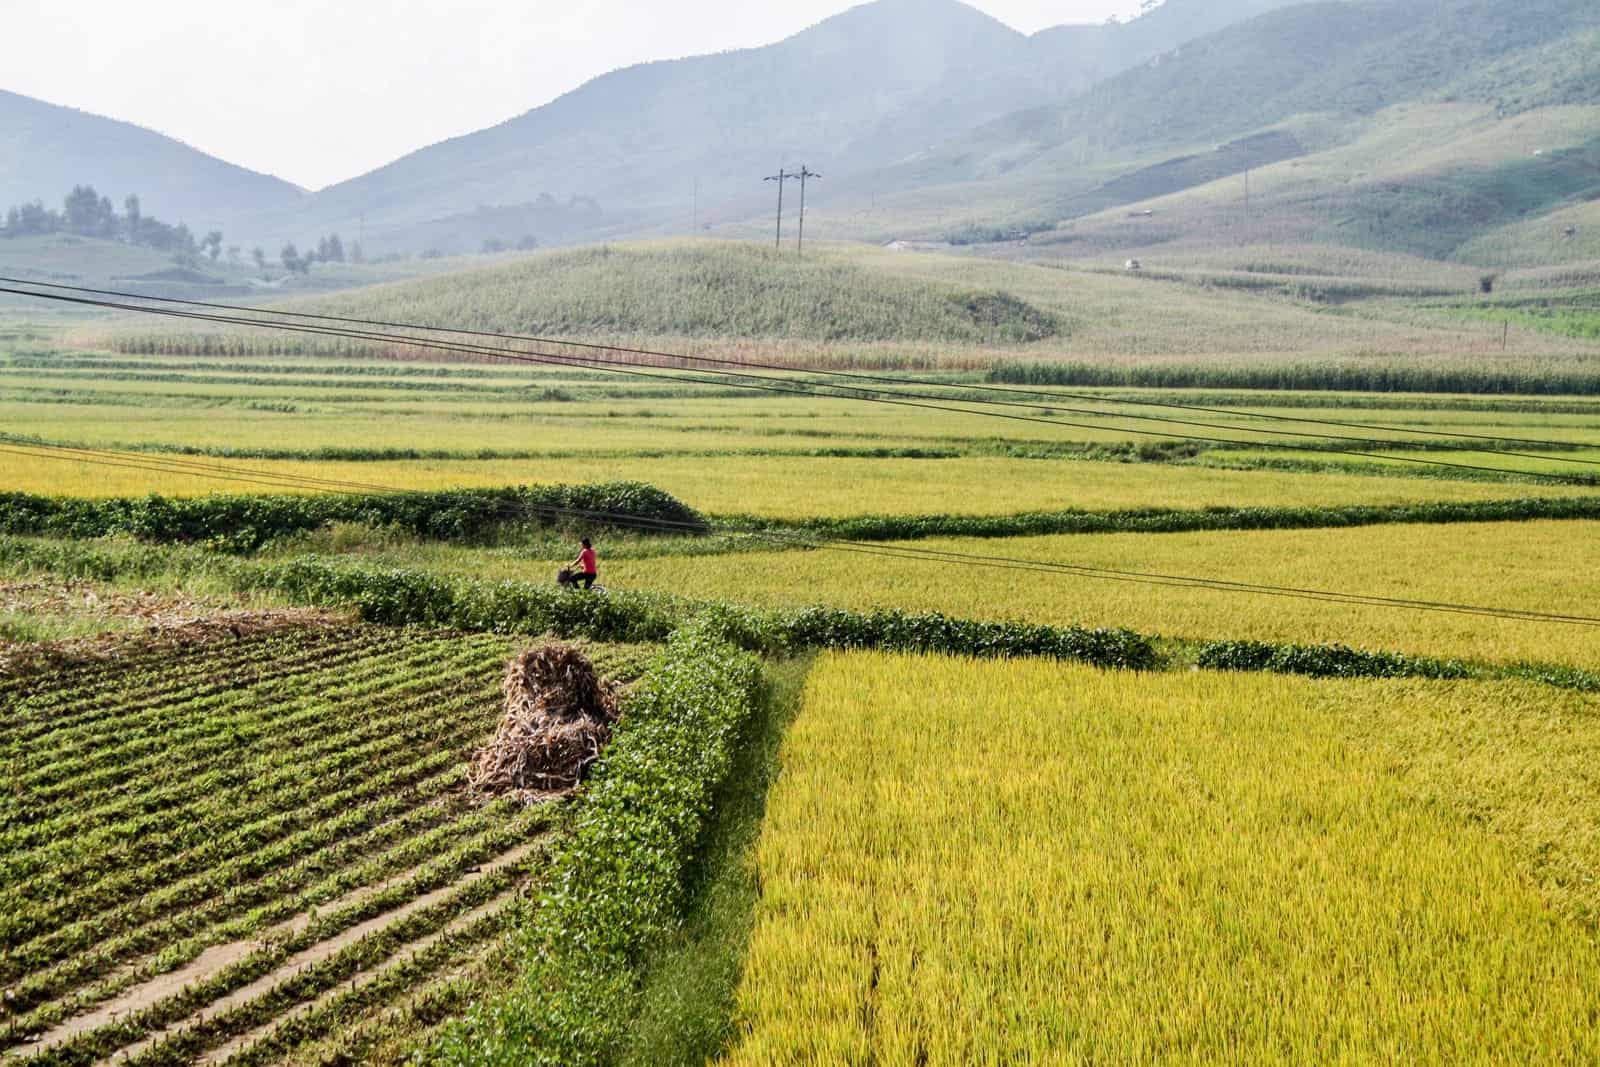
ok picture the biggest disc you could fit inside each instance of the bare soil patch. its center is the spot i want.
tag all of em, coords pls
(159, 621)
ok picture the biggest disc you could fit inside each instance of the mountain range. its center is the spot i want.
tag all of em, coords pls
(935, 114)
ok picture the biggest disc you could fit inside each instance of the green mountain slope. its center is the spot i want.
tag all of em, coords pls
(1341, 57)
(1423, 126)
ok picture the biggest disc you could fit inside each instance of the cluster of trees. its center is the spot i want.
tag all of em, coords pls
(86, 213)
(330, 249)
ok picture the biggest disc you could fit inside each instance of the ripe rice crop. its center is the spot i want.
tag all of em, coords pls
(802, 487)
(1016, 862)
(1532, 565)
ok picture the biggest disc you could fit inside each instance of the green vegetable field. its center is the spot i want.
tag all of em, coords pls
(254, 848)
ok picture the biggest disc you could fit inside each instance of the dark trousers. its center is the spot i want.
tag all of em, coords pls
(585, 580)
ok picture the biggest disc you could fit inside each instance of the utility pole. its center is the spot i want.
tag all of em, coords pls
(1247, 194)
(805, 172)
(780, 177)
(694, 226)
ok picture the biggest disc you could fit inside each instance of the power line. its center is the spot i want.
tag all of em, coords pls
(780, 386)
(862, 376)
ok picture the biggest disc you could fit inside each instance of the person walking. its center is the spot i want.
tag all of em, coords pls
(585, 569)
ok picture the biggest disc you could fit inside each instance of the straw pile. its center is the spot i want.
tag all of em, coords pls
(559, 715)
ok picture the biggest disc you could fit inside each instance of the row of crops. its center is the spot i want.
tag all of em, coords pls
(260, 848)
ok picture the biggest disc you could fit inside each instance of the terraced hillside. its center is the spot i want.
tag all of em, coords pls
(253, 851)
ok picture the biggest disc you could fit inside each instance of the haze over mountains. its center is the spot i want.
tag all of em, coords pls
(49, 149)
(920, 103)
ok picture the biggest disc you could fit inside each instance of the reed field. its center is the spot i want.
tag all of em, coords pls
(969, 862)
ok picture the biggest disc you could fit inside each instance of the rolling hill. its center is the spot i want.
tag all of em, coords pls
(49, 149)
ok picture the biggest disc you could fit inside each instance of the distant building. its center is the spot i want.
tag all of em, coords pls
(917, 246)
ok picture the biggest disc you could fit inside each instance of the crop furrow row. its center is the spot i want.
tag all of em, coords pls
(50, 947)
(129, 721)
(183, 780)
(215, 676)
(219, 796)
(287, 810)
(419, 963)
(201, 716)
(410, 839)
(78, 685)
(60, 707)
(314, 978)
(404, 1013)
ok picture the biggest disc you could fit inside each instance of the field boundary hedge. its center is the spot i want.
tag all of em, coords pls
(1176, 520)
(617, 881)
(400, 597)
(1342, 661)
(243, 522)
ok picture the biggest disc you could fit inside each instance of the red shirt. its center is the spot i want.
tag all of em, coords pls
(586, 557)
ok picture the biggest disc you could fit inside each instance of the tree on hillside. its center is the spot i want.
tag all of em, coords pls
(292, 262)
(259, 254)
(89, 214)
(132, 216)
(330, 249)
(212, 245)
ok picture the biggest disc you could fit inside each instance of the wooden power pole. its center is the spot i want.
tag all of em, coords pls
(805, 172)
(780, 177)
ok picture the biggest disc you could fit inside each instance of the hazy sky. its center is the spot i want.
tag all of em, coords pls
(317, 91)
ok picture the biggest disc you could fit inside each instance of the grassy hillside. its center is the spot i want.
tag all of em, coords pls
(705, 289)
(1280, 314)
(1427, 180)
(1337, 56)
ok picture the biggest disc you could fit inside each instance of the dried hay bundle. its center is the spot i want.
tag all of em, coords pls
(559, 714)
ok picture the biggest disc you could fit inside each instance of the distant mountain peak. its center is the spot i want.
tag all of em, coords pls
(46, 149)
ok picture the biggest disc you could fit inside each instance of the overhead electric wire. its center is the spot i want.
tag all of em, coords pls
(861, 375)
(892, 551)
(761, 383)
